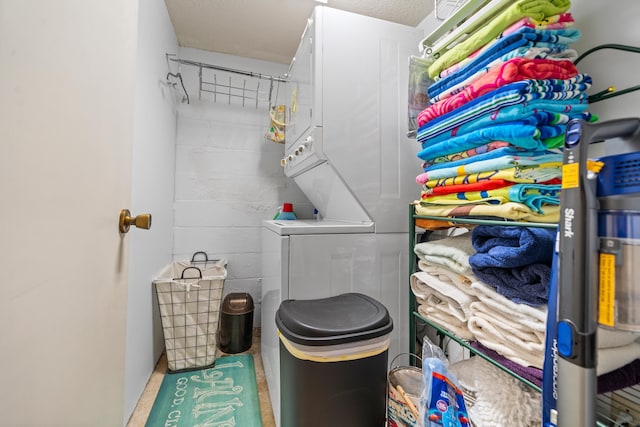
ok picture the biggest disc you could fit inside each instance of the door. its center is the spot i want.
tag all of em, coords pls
(66, 126)
(305, 76)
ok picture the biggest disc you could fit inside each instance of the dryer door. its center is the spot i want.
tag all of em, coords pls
(305, 74)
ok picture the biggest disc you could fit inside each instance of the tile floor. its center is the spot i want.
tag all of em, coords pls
(143, 408)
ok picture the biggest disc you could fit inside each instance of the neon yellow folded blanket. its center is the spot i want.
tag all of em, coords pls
(535, 9)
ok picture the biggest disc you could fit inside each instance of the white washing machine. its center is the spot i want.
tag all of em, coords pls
(344, 257)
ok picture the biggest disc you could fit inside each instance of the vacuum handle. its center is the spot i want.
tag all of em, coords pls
(618, 128)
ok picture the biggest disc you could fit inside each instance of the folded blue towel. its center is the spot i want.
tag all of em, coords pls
(530, 114)
(515, 133)
(511, 246)
(523, 285)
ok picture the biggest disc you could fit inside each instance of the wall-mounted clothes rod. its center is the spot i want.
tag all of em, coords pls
(230, 70)
(230, 85)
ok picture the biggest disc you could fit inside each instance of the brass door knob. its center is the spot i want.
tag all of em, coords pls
(140, 221)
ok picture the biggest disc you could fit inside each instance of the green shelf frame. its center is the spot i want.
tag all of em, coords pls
(473, 350)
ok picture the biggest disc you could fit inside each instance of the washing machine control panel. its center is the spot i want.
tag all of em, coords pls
(303, 155)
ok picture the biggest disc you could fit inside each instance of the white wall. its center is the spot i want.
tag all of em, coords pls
(152, 192)
(610, 22)
(228, 176)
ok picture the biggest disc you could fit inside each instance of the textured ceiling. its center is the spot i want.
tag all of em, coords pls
(270, 30)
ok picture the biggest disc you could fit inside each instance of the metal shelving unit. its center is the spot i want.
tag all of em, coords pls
(606, 403)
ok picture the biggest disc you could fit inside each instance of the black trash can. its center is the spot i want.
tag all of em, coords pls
(333, 361)
(236, 323)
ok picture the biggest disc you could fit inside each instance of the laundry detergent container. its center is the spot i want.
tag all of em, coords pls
(333, 361)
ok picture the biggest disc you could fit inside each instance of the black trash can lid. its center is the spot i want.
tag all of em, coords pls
(237, 303)
(335, 320)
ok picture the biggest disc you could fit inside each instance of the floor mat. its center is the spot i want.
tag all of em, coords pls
(225, 395)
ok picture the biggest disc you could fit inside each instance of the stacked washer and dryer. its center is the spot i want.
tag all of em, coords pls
(347, 149)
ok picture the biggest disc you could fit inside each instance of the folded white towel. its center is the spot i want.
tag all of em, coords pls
(498, 399)
(612, 358)
(445, 321)
(516, 331)
(609, 338)
(535, 317)
(452, 252)
(462, 281)
(440, 291)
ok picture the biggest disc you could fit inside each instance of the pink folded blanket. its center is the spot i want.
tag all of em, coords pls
(514, 70)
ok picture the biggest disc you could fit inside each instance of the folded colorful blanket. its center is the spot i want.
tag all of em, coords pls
(511, 210)
(549, 124)
(515, 133)
(536, 9)
(461, 188)
(450, 252)
(484, 153)
(514, 330)
(526, 175)
(561, 20)
(466, 155)
(526, 43)
(534, 196)
(459, 82)
(527, 158)
(531, 114)
(513, 70)
(521, 92)
(511, 246)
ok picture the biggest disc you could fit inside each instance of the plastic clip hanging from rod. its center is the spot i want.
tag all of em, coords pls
(611, 91)
(179, 77)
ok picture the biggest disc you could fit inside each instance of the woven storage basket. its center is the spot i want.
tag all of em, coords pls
(189, 299)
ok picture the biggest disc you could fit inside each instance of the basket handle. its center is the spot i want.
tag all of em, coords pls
(193, 258)
(403, 354)
(190, 268)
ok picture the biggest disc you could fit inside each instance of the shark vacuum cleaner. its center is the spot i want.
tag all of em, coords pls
(599, 243)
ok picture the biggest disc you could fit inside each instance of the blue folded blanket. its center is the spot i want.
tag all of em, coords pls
(511, 246)
(515, 133)
(530, 114)
(523, 285)
(525, 37)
